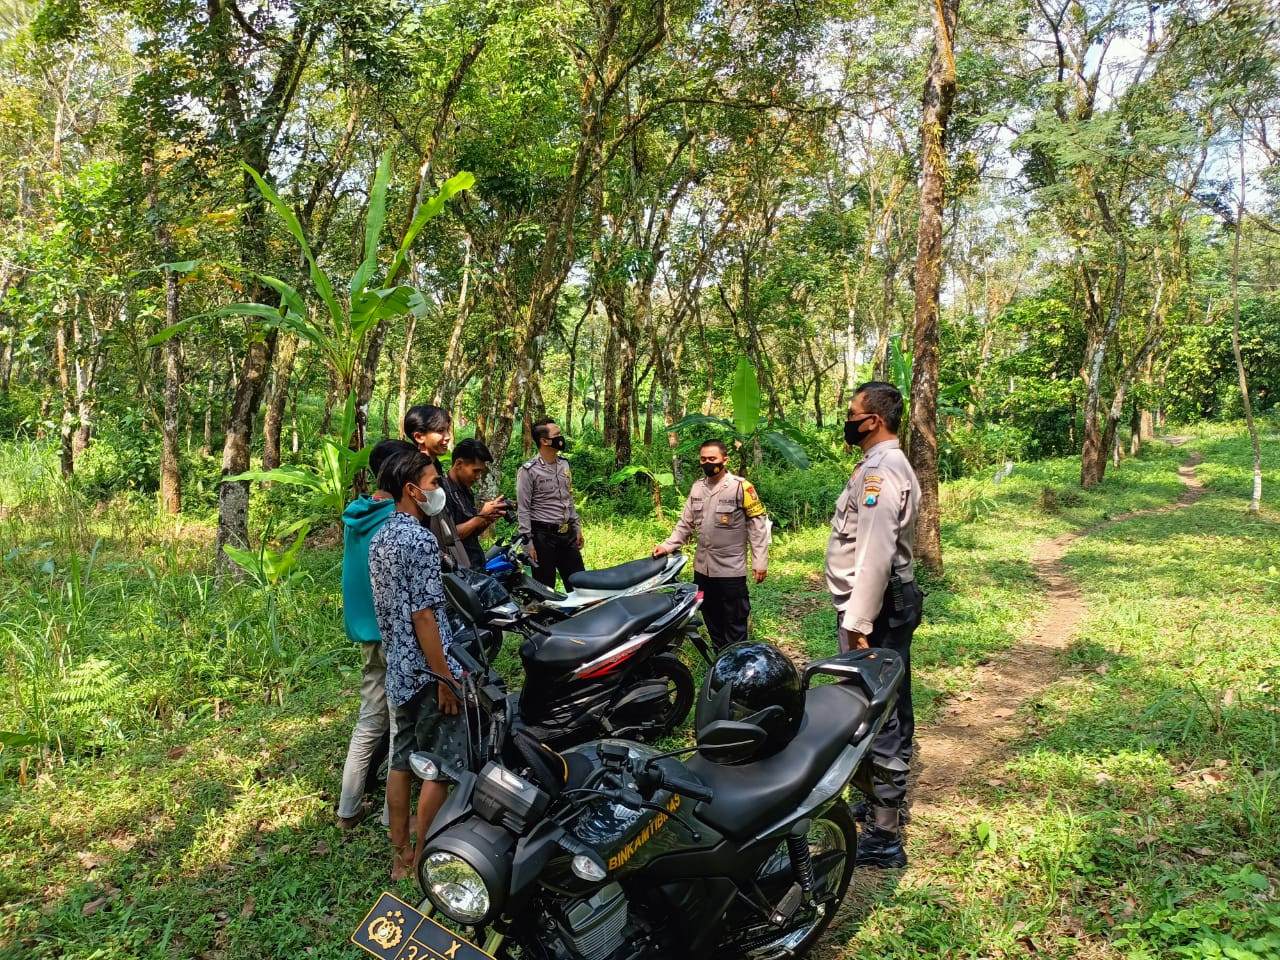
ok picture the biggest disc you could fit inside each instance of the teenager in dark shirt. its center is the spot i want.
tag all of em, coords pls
(471, 460)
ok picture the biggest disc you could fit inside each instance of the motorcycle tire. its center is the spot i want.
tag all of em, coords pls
(832, 832)
(681, 692)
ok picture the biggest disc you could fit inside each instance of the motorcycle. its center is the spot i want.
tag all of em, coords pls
(507, 562)
(616, 851)
(612, 670)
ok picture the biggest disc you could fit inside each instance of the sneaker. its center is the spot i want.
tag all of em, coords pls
(879, 849)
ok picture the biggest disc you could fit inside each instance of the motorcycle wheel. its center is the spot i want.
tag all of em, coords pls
(681, 691)
(832, 833)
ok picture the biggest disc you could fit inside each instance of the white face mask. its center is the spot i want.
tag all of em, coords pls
(434, 502)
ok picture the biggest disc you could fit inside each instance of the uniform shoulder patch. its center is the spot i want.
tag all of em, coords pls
(871, 498)
(528, 464)
(751, 504)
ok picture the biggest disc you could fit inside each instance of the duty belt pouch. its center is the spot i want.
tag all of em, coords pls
(895, 594)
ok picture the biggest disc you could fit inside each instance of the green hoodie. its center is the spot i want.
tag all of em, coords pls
(362, 518)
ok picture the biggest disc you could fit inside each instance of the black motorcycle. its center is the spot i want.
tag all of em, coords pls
(615, 851)
(611, 671)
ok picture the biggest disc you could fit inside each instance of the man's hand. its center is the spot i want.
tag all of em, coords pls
(578, 541)
(446, 698)
(851, 640)
(494, 509)
(760, 575)
(532, 552)
(659, 551)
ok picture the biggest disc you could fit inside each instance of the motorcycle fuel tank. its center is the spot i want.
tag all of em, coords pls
(626, 839)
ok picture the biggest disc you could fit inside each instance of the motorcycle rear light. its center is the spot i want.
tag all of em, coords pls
(698, 596)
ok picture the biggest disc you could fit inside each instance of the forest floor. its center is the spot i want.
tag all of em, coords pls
(1096, 688)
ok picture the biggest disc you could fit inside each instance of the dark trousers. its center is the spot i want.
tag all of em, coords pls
(893, 630)
(556, 552)
(726, 608)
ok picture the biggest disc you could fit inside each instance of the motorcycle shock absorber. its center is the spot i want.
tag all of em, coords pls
(798, 851)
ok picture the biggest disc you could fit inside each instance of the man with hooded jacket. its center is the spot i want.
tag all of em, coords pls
(727, 515)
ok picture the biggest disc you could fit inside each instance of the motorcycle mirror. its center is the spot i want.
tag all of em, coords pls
(463, 597)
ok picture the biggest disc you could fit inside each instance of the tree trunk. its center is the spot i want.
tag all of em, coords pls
(233, 497)
(1135, 430)
(939, 94)
(1093, 452)
(273, 425)
(67, 429)
(402, 407)
(207, 449)
(1255, 499)
(170, 466)
(447, 388)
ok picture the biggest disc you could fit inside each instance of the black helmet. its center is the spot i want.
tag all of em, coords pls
(756, 687)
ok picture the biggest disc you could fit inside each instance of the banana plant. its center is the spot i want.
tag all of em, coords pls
(657, 480)
(340, 323)
(748, 429)
(331, 477)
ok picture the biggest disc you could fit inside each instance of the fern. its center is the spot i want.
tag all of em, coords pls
(93, 704)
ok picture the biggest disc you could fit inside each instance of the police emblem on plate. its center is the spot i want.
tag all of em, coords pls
(393, 930)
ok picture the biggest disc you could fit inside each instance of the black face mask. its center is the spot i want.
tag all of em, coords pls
(711, 469)
(853, 431)
(558, 443)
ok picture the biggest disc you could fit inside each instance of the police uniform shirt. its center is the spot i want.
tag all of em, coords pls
(873, 534)
(725, 516)
(544, 494)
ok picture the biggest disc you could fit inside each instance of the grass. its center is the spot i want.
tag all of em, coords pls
(186, 807)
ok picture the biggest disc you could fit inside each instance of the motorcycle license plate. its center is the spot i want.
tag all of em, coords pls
(393, 930)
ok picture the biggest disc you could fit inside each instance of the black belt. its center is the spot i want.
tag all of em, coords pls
(551, 527)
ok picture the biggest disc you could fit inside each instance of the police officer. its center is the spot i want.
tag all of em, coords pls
(544, 503)
(726, 513)
(872, 583)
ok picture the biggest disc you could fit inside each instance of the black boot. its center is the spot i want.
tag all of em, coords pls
(878, 848)
(859, 811)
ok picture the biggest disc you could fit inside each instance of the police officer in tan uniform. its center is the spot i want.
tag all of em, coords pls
(545, 510)
(872, 583)
(726, 513)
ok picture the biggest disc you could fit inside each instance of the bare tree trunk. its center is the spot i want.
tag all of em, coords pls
(67, 429)
(170, 467)
(207, 449)
(447, 387)
(402, 407)
(1135, 430)
(233, 497)
(1255, 500)
(939, 94)
(273, 426)
(573, 362)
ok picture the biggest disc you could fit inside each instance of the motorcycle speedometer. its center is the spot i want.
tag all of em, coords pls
(456, 888)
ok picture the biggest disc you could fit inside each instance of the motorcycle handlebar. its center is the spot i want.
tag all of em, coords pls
(655, 777)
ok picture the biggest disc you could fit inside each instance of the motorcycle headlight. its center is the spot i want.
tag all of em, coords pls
(456, 888)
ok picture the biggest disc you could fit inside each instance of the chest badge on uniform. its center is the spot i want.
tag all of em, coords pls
(725, 519)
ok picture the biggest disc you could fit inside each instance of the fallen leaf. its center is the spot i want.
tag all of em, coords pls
(1101, 669)
(1102, 778)
(177, 753)
(995, 782)
(1220, 763)
(1003, 712)
(93, 906)
(247, 910)
(1148, 839)
(90, 861)
(1229, 697)
(321, 849)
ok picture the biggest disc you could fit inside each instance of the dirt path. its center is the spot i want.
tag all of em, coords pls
(974, 728)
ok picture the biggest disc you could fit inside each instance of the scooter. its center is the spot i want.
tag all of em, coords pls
(508, 562)
(615, 850)
(611, 670)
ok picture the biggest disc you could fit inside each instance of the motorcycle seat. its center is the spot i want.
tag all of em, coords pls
(748, 797)
(620, 577)
(601, 628)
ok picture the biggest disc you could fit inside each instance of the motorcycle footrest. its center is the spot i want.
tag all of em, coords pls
(787, 906)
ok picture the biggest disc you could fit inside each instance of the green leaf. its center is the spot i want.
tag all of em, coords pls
(455, 184)
(986, 836)
(250, 563)
(292, 475)
(699, 420)
(277, 565)
(746, 398)
(318, 277)
(170, 332)
(374, 220)
(790, 450)
(12, 740)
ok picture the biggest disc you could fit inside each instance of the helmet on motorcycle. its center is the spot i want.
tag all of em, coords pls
(756, 688)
